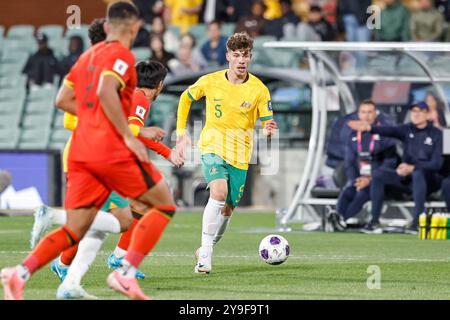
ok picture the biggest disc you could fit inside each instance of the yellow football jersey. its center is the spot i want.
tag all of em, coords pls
(231, 114)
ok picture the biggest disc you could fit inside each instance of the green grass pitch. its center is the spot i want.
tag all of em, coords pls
(322, 265)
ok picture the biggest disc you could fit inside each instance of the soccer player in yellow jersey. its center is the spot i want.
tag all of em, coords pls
(235, 99)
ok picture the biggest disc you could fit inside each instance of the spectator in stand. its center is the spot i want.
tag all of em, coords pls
(321, 26)
(354, 17)
(427, 23)
(255, 23)
(394, 22)
(148, 9)
(212, 10)
(184, 13)
(159, 29)
(142, 37)
(76, 48)
(41, 67)
(443, 7)
(436, 114)
(185, 62)
(238, 9)
(273, 9)
(158, 52)
(188, 40)
(214, 50)
(285, 25)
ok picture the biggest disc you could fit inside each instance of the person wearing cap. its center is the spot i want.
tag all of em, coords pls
(419, 171)
(365, 153)
(42, 66)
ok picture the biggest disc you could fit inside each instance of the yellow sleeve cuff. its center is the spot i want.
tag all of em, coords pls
(135, 129)
(115, 75)
(68, 83)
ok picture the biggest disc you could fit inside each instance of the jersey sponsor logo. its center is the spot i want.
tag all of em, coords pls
(428, 141)
(246, 104)
(140, 111)
(120, 67)
(216, 99)
(213, 170)
(269, 105)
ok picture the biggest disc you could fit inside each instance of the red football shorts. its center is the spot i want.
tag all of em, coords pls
(89, 184)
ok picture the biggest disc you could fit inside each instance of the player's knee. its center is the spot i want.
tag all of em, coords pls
(125, 222)
(227, 211)
(219, 195)
(418, 175)
(168, 210)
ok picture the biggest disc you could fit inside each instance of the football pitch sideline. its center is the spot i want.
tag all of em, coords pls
(321, 265)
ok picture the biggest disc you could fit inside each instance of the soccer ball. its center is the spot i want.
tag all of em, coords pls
(274, 249)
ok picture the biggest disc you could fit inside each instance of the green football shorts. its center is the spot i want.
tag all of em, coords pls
(214, 167)
(114, 201)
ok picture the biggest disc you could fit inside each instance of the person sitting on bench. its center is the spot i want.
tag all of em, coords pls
(419, 171)
(364, 154)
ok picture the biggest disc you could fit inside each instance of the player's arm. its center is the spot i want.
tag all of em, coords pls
(193, 93)
(65, 99)
(265, 112)
(107, 92)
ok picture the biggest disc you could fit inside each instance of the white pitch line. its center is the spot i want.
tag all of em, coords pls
(301, 257)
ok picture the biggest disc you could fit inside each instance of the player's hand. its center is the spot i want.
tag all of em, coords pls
(152, 133)
(404, 169)
(175, 159)
(182, 142)
(359, 125)
(270, 128)
(361, 183)
(137, 147)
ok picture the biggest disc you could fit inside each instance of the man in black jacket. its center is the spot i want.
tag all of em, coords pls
(42, 66)
(422, 160)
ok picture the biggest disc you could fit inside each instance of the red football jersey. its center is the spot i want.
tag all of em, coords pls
(140, 108)
(95, 139)
(139, 113)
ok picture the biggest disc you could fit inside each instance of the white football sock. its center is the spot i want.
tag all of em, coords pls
(104, 221)
(87, 251)
(57, 216)
(224, 221)
(209, 225)
(119, 252)
(127, 270)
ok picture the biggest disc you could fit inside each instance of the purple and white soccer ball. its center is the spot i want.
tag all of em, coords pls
(274, 249)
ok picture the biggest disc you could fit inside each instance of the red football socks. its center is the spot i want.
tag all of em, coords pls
(125, 238)
(147, 233)
(49, 248)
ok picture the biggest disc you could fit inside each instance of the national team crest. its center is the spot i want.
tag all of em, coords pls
(140, 111)
(120, 67)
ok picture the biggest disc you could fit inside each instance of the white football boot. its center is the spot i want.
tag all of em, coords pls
(204, 258)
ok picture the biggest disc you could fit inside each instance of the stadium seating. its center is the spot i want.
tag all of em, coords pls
(9, 137)
(141, 53)
(11, 107)
(10, 121)
(53, 31)
(199, 31)
(58, 122)
(37, 121)
(14, 57)
(34, 138)
(21, 31)
(26, 45)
